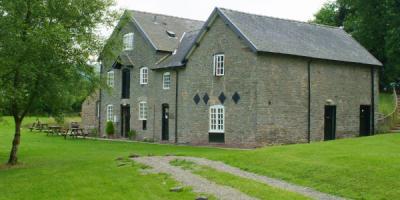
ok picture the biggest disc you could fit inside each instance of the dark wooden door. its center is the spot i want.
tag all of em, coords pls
(330, 123)
(126, 82)
(125, 120)
(165, 122)
(365, 120)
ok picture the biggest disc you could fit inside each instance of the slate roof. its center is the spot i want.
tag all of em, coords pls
(177, 59)
(267, 34)
(155, 27)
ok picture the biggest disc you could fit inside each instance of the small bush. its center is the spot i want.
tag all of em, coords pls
(132, 134)
(110, 128)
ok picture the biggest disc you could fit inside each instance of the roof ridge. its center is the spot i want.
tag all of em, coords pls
(277, 18)
(165, 15)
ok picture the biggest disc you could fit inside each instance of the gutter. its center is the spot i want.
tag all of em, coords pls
(100, 92)
(176, 105)
(309, 102)
(373, 100)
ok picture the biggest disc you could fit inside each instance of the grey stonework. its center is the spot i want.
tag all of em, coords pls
(90, 117)
(273, 89)
(143, 55)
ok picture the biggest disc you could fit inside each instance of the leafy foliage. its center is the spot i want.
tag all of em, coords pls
(375, 24)
(132, 134)
(110, 128)
(44, 52)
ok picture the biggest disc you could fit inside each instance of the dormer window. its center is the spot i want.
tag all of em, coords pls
(219, 64)
(128, 41)
(171, 34)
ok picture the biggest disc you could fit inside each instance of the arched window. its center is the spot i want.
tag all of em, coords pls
(166, 80)
(217, 119)
(144, 75)
(128, 41)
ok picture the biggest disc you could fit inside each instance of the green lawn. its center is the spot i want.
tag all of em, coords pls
(360, 168)
(386, 103)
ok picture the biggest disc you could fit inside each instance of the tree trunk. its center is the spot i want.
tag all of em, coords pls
(17, 136)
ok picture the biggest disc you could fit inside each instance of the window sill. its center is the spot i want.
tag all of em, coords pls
(217, 132)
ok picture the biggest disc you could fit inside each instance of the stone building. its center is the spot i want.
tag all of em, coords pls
(90, 112)
(238, 79)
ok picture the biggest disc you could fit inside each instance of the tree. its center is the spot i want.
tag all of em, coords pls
(373, 23)
(44, 49)
(328, 15)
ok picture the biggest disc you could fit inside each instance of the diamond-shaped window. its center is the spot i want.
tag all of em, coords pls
(196, 99)
(236, 97)
(206, 98)
(222, 97)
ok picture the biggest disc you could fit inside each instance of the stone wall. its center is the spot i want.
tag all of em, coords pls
(89, 114)
(273, 90)
(273, 108)
(197, 78)
(143, 55)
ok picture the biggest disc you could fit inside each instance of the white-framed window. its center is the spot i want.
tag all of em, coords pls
(128, 41)
(217, 119)
(144, 75)
(219, 64)
(110, 79)
(142, 110)
(166, 80)
(110, 113)
(98, 109)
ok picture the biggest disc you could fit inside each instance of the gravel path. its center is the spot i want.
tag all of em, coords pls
(199, 184)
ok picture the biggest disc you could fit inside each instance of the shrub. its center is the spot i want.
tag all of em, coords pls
(110, 128)
(132, 134)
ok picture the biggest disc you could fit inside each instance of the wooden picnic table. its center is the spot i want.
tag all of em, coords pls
(54, 130)
(75, 132)
(43, 126)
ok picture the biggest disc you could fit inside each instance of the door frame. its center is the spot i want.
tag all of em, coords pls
(368, 113)
(165, 122)
(125, 120)
(330, 122)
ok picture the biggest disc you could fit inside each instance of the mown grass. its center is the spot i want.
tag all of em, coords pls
(247, 186)
(54, 168)
(386, 103)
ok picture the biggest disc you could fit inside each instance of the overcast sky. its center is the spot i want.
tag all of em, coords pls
(302, 10)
